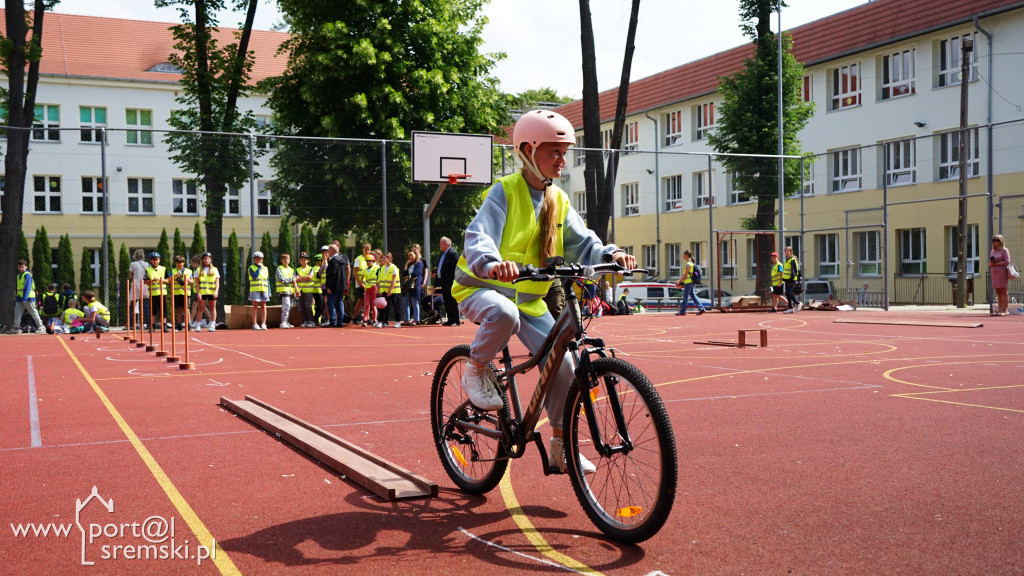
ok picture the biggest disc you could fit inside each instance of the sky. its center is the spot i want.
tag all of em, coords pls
(541, 38)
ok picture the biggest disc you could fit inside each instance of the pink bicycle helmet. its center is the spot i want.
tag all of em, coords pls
(539, 126)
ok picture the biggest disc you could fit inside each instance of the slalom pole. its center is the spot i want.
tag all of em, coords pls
(174, 326)
(150, 347)
(186, 365)
(128, 313)
(160, 353)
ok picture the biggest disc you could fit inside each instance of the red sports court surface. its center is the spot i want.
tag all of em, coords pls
(838, 449)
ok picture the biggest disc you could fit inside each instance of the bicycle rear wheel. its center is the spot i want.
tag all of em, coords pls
(473, 460)
(630, 495)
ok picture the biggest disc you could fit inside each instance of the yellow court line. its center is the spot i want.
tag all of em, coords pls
(531, 532)
(916, 397)
(203, 536)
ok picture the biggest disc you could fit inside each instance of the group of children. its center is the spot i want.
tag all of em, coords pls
(58, 312)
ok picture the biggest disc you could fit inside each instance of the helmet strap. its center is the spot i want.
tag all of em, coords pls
(530, 165)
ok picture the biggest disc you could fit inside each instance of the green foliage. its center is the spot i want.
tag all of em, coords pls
(85, 277)
(110, 288)
(267, 247)
(323, 237)
(378, 69)
(164, 248)
(231, 283)
(527, 99)
(23, 253)
(179, 244)
(124, 261)
(65, 272)
(198, 246)
(42, 259)
(306, 240)
(284, 241)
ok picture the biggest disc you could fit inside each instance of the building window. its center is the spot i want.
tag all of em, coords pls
(703, 120)
(92, 194)
(579, 156)
(264, 125)
(846, 170)
(140, 195)
(232, 202)
(92, 118)
(46, 194)
(632, 140)
(970, 249)
(869, 253)
(674, 128)
(135, 119)
(846, 87)
(184, 199)
(736, 195)
(46, 124)
(606, 138)
(265, 203)
(752, 252)
(674, 255)
(94, 266)
(579, 202)
(913, 253)
(827, 247)
(794, 243)
(700, 189)
(673, 189)
(900, 162)
(808, 179)
(727, 254)
(898, 74)
(630, 199)
(806, 85)
(651, 258)
(949, 53)
(949, 154)
(697, 250)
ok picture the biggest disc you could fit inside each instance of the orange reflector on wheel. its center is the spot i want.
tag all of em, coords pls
(629, 511)
(458, 455)
(593, 394)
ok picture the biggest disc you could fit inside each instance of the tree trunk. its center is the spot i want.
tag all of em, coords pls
(593, 171)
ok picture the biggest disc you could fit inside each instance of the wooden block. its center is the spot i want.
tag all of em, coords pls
(909, 323)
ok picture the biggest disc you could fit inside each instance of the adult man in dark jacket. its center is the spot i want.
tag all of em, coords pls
(445, 277)
(338, 273)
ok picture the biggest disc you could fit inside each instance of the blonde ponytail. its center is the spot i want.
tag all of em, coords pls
(548, 221)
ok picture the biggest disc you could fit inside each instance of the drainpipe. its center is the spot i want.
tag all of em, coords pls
(657, 187)
(988, 160)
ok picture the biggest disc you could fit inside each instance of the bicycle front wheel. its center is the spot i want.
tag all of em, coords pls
(630, 495)
(467, 439)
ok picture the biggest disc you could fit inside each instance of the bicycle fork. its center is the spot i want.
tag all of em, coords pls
(589, 385)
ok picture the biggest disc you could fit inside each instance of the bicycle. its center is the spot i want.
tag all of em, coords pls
(613, 416)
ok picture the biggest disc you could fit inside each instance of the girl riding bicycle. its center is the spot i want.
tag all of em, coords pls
(525, 219)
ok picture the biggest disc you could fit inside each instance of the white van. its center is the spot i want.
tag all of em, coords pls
(665, 296)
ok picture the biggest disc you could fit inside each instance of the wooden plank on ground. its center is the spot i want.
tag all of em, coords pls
(909, 323)
(385, 479)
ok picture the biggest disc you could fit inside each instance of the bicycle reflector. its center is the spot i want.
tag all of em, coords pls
(458, 455)
(629, 511)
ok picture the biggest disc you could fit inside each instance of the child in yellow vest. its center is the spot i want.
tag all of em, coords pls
(97, 317)
(287, 288)
(259, 291)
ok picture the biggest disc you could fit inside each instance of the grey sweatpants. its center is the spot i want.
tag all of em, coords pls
(499, 319)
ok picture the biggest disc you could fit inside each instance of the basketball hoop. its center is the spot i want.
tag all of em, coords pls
(454, 178)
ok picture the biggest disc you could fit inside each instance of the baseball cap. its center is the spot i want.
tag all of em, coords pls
(776, 254)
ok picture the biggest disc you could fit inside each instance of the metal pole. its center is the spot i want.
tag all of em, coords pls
(711, 232)
(611, 186)
(966, 45)
(782, 149)
(106, 211)
(384, 193)
(885, 228)
(252, 200)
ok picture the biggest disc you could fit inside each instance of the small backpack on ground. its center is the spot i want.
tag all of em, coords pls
(51, 304)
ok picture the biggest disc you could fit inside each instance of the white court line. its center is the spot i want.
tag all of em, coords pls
(516, 552)
(237, 352)
(33, 407)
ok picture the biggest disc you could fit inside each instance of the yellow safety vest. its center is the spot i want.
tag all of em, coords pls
(259, 278)
(287, 275)
(792, 267)
(520, 243)
(70, 315)
(179, 288)
(100, 309)
(777, 274)
(388, 275)
(155, 274)
(363, 265)
(370, 275)
(22, 278)
(320, 279)
(208, 280)
(305, 286)
(689, 275)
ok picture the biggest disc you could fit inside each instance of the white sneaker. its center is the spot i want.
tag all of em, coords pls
(799, 305)
(788, 311)
(255, 326)
(398, 324)
(263, 326)
(556, 458)
(212, 328)
(480, 387)
(285, 325)
(196, 327)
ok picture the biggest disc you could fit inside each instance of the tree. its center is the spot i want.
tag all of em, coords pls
(20, 52)
(124, 261)
(164, 248)
(213, 79)
(267, 247)
(323, 236)
(306, 239)
(748, 123)
(42, 259)
(85, 277)
(179, 244)
(284, 241)
(600, 193)
(198, 246)
(65, 272)
(231, 283)
(378, 69)
(528, 99)
(110, 289)
(23, 253)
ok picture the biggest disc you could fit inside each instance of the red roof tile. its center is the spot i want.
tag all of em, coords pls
(872, 24)
(89, 46)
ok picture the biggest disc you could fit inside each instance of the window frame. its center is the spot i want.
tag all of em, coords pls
(630, 199)
(650, 256)
(45, 128)
(47, 195)
(672, 192)
(846, 87)
(855, 175)
(674, 259)
(895, 76)
(265, 205)
(826, 249)
(913, 250)
(949, 155)
(233, 194)
(899, 161)
(89, 130)
(869, 253)
(140, 195)
(703, 120)
(948, 66)
(735, 194)
(727, 256)
(674, 129)
(140, 135)
(973, 249)
(579, 203)
(94, 194)
(631, 137)
(701, 190)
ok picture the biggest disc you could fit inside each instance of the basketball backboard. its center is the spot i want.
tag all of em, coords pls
(436, 155)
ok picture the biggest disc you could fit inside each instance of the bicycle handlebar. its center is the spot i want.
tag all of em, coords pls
(548, 273)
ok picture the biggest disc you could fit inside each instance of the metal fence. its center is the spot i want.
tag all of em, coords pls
(874, 219)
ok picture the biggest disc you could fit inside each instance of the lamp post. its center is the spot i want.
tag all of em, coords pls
(966, 46)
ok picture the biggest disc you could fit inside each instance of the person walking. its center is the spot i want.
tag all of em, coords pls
(686, 283)
(790, 276)
(25, 298)
(778, 286)
(446, 266)
(999, 268)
